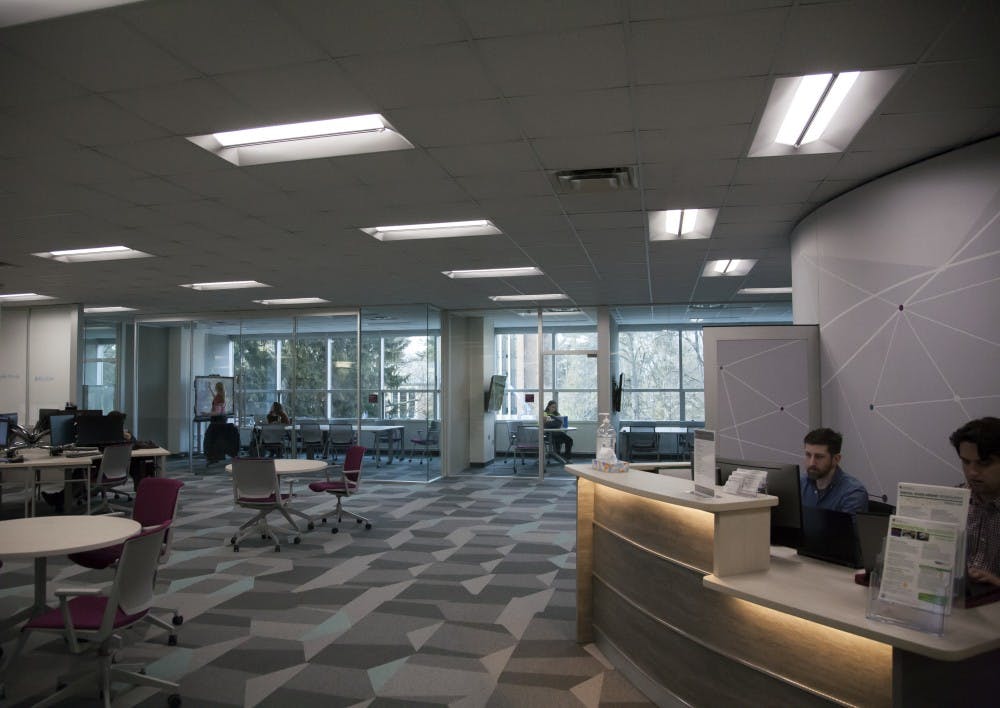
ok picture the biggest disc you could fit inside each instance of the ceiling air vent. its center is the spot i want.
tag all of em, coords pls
(596, 180)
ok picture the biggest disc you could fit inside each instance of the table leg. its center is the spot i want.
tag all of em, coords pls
(40, 580)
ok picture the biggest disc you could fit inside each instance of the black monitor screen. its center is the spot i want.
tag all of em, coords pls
(44, 414)
(4, 431)
(11, 419)
(830, 536)
(97, 430)
(782, 482)
(63, 429)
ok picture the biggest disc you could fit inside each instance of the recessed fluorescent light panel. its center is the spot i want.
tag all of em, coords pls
(24, 297)
(292, 301)
(728, 267)
(106, 310)
(819, 113)
(764, 291)
(676, 224)
(493, 272)
(528, 298)
(448, 229)
(100, 253)
(226, 285)
(353, 135)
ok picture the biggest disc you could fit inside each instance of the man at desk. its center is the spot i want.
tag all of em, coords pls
(554, 420)
(825, 485)
(978, 446)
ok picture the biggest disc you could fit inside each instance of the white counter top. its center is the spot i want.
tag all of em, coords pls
(670, 489)
(828, 595)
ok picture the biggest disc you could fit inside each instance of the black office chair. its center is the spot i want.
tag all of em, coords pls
(878, 504)
(643, 440)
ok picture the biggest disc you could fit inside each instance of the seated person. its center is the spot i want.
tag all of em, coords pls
(553, 419)
(277, 414)
(825, 485)
(978, 446)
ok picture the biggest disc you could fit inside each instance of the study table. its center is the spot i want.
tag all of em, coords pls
(378, 435)
(41, 537)
(687, 598)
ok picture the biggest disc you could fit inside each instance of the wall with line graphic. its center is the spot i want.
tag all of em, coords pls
(902, 275)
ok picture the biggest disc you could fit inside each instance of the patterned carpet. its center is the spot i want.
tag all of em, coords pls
(463, 594)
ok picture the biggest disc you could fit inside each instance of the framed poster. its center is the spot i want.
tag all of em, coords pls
(213, 395)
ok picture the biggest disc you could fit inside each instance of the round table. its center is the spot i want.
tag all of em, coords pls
(43, 536)
(294, 466)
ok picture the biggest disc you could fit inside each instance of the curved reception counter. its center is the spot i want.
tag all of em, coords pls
(682, 593)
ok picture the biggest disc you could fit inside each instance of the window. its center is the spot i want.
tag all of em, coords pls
(664, 376)
(100, 365)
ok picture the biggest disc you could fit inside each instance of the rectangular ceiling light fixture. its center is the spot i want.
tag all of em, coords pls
(819, 113)
(729, 267)
(494, 272)
(106, 310)
(529, 298)
(353, 135)
(293, 301)
(676, 224)
(765, 291)
(446, 229)
(226, 285)
(100, 253)
(24, 297)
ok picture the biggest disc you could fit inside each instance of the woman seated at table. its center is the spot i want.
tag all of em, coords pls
(553, 419)
(277, 414)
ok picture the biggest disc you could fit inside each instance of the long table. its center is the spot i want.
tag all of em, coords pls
(685, 596)
(377, 432)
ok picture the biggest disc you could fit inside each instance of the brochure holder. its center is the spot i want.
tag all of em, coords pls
(929, 621)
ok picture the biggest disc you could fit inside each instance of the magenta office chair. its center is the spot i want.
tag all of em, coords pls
(348, 485)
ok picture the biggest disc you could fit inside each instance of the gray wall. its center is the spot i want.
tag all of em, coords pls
(901, 276)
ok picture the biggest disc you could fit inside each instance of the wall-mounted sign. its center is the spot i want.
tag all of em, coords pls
(373, 398)
(529, 398)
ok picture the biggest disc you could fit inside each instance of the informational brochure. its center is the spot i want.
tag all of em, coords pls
(919, 563)
(704, 462)
(746, 483)
(933, 502)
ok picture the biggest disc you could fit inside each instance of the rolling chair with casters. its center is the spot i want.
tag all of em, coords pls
(525, 443)
(272, 439)
(99, 618)
(347, 486)
(340, 438)
(311, 439)
(878, 504)
(111, 475)
(256, 486)
(156, 504)
(425, 442)
(643, 440)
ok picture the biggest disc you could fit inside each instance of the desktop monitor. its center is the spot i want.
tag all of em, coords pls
(871, 529)
(44, 414)
(11, 419)
(62, 427)
(830, 536)
(99, 430)
(782, 482)
(4, 432)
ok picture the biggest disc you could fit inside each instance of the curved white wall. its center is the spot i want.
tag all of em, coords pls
(903, 277)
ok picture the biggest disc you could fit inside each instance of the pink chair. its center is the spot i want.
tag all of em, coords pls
(348, 485)
(86, 614)
(156, 504)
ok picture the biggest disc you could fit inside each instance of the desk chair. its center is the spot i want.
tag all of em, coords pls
(256, 486)
(311, 439)
(511, 438)
(112, 474)
(878, 504)
(156, 504)
(272, 439)
(425, 441)
(525, 443)
(348, 485)
(392, 439)
(340, 438)
(643, 440)
(86, 614)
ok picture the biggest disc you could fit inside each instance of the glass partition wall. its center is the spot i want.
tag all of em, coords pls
(370, 368)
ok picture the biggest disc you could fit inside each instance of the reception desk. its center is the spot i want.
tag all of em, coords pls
(683, 595)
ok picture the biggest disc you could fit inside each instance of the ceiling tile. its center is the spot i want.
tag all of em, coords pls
(581, 113)
(485, 159)
(455, 123)
(487, 18)
(586, 152)
(726, 102)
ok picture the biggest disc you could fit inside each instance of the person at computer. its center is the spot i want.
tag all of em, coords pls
(825, 485)
(978, 446)
(553, 419)
(277, 414)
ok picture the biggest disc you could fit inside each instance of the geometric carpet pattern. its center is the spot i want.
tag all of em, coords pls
(462, 594)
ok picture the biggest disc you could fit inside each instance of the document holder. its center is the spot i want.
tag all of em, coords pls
(923, 620)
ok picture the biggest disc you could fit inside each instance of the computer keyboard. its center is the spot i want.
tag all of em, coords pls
(81, 453)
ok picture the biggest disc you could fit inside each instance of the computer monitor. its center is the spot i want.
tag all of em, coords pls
(99, 430)
(11, 419)
(43, 418)
(871, 529)
(782, 482)
(62, 427)
(830, 536)
(4, 432)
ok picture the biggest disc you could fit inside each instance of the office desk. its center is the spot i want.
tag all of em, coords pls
(37, 461)
(686, 598)
(157, 454)
(39, 538)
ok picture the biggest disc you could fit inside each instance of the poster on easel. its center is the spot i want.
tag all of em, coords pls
(214, 395)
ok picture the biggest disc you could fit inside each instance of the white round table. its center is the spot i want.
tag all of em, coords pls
(42, 536)
(293, 466)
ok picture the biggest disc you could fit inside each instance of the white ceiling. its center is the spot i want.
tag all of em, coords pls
(95, 108)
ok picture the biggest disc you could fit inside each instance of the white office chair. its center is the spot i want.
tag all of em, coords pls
(256, 486)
